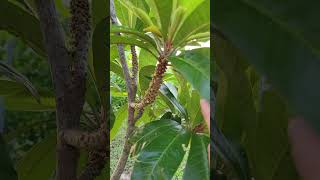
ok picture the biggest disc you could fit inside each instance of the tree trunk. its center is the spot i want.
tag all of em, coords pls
(69, 94)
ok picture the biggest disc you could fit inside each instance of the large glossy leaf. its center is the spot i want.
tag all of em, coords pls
(144, 135)
(198, 20)
(100, 58)
(194, 66)
(39, 162)
(115, 39)
(161, 157)
(7, 170)
(22, 24)
(197, 166)
(268, 146)
(121, 116)
(278, 40)
(20, 78)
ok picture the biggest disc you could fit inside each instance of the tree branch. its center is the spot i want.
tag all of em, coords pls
(87, 140)
(131, 89)
(84, 140)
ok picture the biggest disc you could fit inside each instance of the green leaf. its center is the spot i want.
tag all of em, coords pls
(145, 118)
(23, 25)
(183, 90)
(121, 115)
(197, 166)
(116, 68)
(40, 161)
(28, 103)
(11, 88)
(18, 98)
(100, 9)
(125, 30)
(194, 110)
(119, 94)
(112, 117)
(161, 157)
(235, 107)
(281, 44)
(145, 134)
(193, 65)
(122, 13)
(145, 77)
(7, 170)
(21, 4)
(197, 21)
(100, 50)
(115, 39)
(20, 78)
(268, 146)
(169, 115)
(146, 58)
(162, 10)
(173, 100)
(92, 94)
(139, 12)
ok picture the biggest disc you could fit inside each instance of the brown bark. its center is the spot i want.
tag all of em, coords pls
(84, 140)
(131, 89)
(69, 90)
